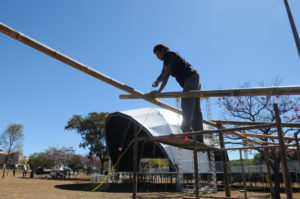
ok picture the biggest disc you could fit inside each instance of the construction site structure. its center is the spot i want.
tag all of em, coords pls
(177, 140)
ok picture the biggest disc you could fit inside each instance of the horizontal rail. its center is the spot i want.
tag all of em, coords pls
(196, 133)
(235, 92)
(284, 124)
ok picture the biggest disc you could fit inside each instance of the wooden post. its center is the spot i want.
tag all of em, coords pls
(224, 162)
(243, 174)
(269, 173)
(285, 170)
(196, 171)
(134, 167)
(298, 148)
(294, 29)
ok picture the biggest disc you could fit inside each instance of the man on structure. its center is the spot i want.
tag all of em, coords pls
(188, 78)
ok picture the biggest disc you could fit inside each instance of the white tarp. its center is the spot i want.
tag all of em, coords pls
(160, 122)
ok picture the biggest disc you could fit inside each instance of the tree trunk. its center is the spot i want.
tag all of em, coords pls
(4, 165)
(3, 172)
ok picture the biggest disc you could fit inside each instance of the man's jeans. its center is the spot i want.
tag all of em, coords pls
(191, 110)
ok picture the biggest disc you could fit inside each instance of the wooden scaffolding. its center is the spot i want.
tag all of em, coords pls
(176, 140)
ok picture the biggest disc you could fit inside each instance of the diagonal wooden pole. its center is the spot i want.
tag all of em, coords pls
(293, 26)
(79, 66)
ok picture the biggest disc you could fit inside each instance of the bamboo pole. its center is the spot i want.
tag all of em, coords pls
(285, 170)
(228, 131)
(243, 174)
(284, 124)
(135, 154)
(196, 171)
(224, 163)
(293, 26)
(235, 92)
(79, 66)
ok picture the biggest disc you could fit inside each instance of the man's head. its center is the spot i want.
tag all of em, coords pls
(159, 50)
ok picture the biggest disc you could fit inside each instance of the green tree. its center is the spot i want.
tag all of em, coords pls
(11, 141)
(41, 160)
(260, 109)
(91, 129)
(75, 162)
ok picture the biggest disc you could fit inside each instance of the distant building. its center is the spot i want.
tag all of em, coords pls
(13, 159)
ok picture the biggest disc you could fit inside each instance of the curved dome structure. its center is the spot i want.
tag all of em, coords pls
(119, 131)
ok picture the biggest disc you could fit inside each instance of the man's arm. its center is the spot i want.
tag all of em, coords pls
(164, 77)
(158, 80)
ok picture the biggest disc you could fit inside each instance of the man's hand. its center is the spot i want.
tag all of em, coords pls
(155, 84)
(153, 93)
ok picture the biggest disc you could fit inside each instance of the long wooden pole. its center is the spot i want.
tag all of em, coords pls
(196, 171)
(283, 124)
(134, 166)
(285, 169)
(224, 162)
(79, 66)
(258, 91)
(229, 131)
(243, 174)
(293, 26)
(269, 173)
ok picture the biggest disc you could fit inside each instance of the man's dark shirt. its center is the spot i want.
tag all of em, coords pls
(181, 69)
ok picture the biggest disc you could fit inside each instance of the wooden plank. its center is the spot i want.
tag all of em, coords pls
(235, 92)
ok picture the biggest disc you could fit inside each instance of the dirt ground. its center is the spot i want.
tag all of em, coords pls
(80, 187)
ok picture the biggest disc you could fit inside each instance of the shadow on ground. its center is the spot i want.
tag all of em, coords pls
(116, 187)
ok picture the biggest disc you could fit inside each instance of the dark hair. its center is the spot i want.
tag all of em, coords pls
(160, 47)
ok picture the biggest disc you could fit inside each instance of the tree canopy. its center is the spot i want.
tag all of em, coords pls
(91, 129)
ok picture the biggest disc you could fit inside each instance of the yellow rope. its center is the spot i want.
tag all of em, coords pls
(122, 154)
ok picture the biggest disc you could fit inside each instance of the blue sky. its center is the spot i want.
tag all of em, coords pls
(228, 42)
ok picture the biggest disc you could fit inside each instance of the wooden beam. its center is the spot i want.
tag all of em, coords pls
(196, 171)
(243, 174)
(224, 162)
(284, 162)
(79, 66)
(230, 131)
(293, 26)
(235, 92)
(284, 124)
(135, 158)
